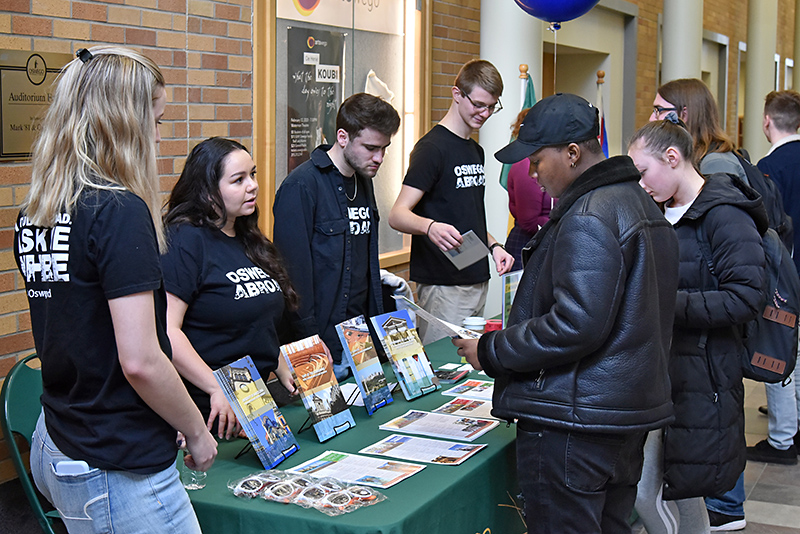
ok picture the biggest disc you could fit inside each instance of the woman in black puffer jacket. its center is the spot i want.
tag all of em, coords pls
(704, 449)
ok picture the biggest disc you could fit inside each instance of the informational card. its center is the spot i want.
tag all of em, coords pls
(432, 451)
(472, 389)
(358, 469)
(470, 251)
(510, 283)
(438, 425)
(467, 407)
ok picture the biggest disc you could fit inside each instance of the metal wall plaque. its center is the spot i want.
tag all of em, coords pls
(26, 89)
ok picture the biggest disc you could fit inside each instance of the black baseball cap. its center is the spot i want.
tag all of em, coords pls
(559, 119)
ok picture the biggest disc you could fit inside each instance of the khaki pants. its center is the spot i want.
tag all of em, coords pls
(451, 304)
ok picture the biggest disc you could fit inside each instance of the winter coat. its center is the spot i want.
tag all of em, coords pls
(588, 337)
(704, 449)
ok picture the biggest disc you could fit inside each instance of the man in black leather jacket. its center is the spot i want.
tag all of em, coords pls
(582, 364)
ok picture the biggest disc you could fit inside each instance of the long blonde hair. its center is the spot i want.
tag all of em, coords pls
(99, 132)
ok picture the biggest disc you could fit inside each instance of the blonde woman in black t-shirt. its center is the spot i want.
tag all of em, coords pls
(87, 242)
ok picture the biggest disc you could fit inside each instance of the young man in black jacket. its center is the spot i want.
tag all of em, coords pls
(582, 364)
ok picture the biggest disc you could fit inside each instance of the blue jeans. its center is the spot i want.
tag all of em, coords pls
(100, 501)
(731, 502)
(578, 482)
(784, 412)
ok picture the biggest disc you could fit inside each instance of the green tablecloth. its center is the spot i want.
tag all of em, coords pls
(473, 498)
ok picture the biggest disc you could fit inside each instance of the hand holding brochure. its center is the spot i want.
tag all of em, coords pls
(468, 252)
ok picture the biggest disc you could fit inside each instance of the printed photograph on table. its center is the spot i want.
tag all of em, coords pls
(472, 389)
(468, 407)
(439, 425)
(408, 359)
(257, 412)
(319, 389)
(357, 469)
(432, 451)
(359, 353)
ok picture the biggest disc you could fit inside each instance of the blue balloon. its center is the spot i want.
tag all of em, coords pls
(556, 10)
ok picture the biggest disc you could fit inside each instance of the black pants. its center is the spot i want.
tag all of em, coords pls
(578, 482)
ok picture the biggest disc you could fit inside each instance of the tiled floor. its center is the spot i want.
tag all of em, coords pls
(773, 491)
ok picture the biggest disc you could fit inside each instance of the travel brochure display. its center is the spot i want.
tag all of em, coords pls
(319, 389)
(406, 355)
(438, 425)
(357, 469)
(432, 451)
(472, 389)
(359, 353)
(257, 412)
(434, 323)
(467, 407)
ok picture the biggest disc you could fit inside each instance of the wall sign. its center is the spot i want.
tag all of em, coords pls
(26, 89)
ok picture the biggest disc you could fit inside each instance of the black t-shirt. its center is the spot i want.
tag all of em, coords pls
(449, 169)
(104, 250)
(358, 212)
(234, 307)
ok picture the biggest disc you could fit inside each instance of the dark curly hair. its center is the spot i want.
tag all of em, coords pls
(196, 200)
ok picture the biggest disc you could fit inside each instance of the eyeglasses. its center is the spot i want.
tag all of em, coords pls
(658, 110)
(480, 108)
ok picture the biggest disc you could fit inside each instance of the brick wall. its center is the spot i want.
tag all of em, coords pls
(204, 49)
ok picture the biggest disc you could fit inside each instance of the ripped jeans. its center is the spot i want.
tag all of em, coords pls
(99, 501)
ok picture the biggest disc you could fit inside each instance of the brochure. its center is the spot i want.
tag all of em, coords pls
(258, 414)
(432, 451)
(319, 389)
(444, 328)
(357, 469)
(468, 407)
(510, 283)
(406, 355)
(473, 389)
(471, 250)
(450, 376)
(439, 425)
(359, 353)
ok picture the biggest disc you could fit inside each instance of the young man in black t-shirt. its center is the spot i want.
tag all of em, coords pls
(325, 223)
(442, 198)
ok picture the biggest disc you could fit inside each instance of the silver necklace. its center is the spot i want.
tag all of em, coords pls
(355, 193)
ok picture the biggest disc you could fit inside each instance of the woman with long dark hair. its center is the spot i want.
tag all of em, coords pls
(227, 289)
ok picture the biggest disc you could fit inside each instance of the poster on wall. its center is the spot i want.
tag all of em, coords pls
(384, 16)
(315, 77)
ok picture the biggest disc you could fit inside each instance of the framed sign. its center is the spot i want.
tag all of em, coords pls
(26, 89)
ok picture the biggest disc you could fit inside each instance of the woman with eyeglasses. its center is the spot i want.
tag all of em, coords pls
(702, 453)
(693, 103)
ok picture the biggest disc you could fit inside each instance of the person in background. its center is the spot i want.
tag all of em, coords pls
(782, 165)
(713, 150)
(442, 198)
(227, 290)
(701, 453)
(326, 223)
(87, 243)
(582, 364)
(528, 203)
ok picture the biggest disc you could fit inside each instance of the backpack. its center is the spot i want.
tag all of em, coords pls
(770, 338)
(772, 199)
